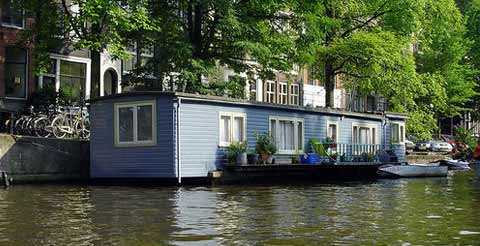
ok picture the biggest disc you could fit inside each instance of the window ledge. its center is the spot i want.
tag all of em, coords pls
(128, 145)
(16, 98)
(13, 26)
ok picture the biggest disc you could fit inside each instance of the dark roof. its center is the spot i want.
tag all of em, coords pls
(206, 98)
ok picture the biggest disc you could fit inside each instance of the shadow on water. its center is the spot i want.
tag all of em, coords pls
(428, 211)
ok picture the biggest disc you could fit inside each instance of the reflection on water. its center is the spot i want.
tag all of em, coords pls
(395, 212)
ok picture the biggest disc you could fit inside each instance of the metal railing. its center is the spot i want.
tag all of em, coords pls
(341, 152)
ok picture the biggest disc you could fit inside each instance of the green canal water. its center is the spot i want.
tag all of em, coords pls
(428, 211)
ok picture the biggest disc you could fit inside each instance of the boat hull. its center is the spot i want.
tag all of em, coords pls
(452, 164)
(410, 171)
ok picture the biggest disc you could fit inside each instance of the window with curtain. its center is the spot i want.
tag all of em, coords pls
(288, 134)
(15, 72)
(397, 133)
(232, 128)
(364, 134)
(332, 131)
(135, 123)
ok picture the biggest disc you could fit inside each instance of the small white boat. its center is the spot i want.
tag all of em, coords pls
(410, 171)
(454, 164)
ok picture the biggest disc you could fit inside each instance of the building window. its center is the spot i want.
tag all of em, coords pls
(232, 127)
(15, 72)
(135, 124)
(72, 80)
(270, 92)
(397, 133)
(332, 131)
(288, 134)
(129, 64)
(283, 93)
(364, 133)
(294, 94)
(68, 75)
(11, 17)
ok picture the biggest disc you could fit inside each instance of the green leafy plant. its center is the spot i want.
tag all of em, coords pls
(465, 136)
(265, 144)
(234, 149)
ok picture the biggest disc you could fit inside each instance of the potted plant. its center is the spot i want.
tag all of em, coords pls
(252, 157)
(238, 153)
(265, 147)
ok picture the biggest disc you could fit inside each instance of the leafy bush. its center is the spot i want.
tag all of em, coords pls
(465, 136)
(265, 144)
(234, 149)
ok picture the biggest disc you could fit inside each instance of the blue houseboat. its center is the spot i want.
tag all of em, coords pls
(177, 136)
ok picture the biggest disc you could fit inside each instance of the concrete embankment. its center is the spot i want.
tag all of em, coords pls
(426, 157)
(31, 159)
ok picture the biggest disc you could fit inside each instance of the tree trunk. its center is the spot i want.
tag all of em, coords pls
(94, 74)
(329, 84)
(329, 61)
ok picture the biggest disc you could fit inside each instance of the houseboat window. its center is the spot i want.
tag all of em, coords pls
(10, 16)
(135, 124)
(294, 94)
(283, 93)
(232, 128)
(288, 134)
(15, 72)
(332, 131)
(270, 91)
(364, 133)
(397, 133)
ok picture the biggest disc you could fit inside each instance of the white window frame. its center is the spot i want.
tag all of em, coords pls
(277, 120)
(366, 125)
(337, 130)
(282, 92)
(270, 94)
(58, 58)
(401, 132)
(294, 97)
(135, 142)
(232, 116)
(133, 55)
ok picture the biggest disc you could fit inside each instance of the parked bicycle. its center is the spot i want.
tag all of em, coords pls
(72, 122)
(59, 122)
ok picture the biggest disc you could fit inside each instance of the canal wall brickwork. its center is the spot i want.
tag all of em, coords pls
(31, 159)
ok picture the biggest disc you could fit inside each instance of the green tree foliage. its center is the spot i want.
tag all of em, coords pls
(360, 42)
(411, 52)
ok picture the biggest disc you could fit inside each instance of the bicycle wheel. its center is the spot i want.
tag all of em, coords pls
(82, 129)
(58, 125)
(40, 127)
(18, 126)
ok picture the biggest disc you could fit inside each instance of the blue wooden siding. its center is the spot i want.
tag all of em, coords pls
(199, 124)
(399, 149)
(108, 161)
(198, 135)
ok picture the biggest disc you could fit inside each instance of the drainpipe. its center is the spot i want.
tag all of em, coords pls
(385, 146)
(179, 170)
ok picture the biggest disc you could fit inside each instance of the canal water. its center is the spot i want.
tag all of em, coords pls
(428, 211)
